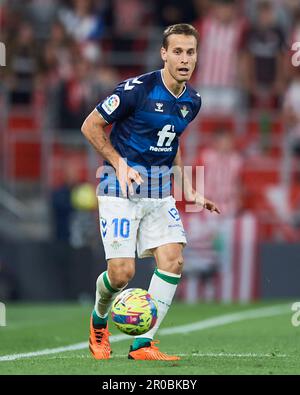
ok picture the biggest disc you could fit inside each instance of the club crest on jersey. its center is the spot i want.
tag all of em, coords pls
(111, 104)
(184, 111)
(159, 107)
(115, 245)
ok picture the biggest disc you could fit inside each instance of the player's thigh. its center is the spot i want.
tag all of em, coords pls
(118, 226)
(169, 257)
(161, 226)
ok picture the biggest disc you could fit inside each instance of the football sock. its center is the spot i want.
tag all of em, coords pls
(99, 322)
(105, 295)
(162, 287)
(140, 342)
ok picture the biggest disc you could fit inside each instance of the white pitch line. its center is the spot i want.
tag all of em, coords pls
(183, 329)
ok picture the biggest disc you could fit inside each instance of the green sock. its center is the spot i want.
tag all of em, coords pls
(98, 321)
(140, 342)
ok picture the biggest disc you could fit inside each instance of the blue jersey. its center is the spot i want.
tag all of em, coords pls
(148, 120)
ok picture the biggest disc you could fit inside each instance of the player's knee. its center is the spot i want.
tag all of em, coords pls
(174, 263)
(178, 265)
(123, 279)
(120, 274)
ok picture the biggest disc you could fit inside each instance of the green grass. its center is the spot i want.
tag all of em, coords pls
(266, 345)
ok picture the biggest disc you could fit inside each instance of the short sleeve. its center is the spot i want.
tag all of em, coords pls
(121, 103)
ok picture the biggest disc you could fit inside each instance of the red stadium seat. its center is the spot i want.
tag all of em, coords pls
(19, 123)
(27, 162)
(24, 143)
(60, 158)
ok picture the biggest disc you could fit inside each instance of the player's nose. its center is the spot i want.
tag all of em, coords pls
(184, 58)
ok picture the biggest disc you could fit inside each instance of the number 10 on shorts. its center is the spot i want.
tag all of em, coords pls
(121, 227)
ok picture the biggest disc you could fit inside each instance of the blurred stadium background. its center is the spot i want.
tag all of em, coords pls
(63, 56)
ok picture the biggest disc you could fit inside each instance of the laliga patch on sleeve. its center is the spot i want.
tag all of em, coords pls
(111, 104)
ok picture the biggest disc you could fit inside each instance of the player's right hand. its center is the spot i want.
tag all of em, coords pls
(127, 176)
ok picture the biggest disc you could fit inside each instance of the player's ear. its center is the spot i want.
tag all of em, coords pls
(163, 54)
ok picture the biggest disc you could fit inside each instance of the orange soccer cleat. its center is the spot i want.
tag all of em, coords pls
(99, 342)
(150, 353)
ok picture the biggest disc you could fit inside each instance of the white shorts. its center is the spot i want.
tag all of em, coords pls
(130, 225)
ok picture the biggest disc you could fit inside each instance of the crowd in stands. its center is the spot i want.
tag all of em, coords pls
(81, 48)
(74, 52)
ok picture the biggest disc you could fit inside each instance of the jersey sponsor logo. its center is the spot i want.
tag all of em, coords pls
(111, 104)
(184, 111)
(159, 107)
(161, 149)
(165, 138)
(130, 84)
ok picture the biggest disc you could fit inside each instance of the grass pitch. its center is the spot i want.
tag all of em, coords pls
(223, 341)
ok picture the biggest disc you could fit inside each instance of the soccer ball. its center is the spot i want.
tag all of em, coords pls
(134, 311)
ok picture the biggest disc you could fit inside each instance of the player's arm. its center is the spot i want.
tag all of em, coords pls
(189, 192)
(93, 129)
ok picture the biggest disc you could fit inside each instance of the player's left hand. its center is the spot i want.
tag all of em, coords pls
(211, 206)
(207, 204)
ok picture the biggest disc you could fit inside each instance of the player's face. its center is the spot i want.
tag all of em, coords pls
(181, 56)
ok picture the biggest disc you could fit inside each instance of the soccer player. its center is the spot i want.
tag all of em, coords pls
(136, 208)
